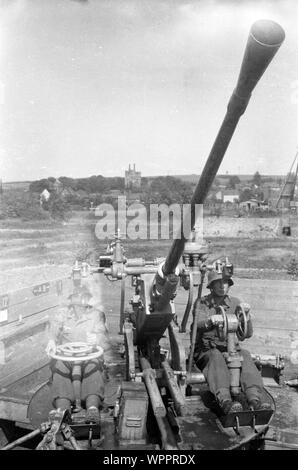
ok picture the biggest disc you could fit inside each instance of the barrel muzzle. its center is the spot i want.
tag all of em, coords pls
(264, 40)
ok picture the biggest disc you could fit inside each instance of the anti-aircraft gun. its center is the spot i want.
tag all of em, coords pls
(161, 403)
(157, 372)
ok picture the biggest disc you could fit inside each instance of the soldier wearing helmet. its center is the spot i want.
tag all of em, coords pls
(79, 321)
(209, 348)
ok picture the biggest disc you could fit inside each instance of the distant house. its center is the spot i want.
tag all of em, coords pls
(230, 195)
(248, 205)
(44, 196)
(253, 205)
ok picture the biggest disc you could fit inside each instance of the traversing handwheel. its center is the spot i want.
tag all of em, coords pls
(77, 352)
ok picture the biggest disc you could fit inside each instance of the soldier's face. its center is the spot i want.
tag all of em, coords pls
(226, 287)
(79, 309)
(218, 287)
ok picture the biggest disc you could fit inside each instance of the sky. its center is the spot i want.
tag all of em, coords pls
(87, 87)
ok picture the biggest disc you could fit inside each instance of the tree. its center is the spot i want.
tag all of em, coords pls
(57, 207)
(233, 181)
(246, 195)
(40, 185)
(68, 182)
(167, 190)
(257, 179)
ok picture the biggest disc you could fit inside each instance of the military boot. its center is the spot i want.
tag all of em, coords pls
(257, 404)
(229, 406)
(92, 415)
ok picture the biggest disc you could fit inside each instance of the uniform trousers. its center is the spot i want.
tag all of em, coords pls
(214, 367)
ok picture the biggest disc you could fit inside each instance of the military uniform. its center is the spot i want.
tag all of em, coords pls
(209, 349)
(90, 327)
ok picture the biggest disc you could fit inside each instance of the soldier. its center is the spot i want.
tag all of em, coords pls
(209, 348)
(79, 321)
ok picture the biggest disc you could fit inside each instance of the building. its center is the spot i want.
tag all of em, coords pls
(132, 178)
(44, 196)
(253, 205)
(231, 195)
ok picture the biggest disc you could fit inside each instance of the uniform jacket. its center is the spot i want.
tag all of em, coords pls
(207, 336)
(90, 327)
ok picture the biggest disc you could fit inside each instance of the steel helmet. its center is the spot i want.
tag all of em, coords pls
(215, 276)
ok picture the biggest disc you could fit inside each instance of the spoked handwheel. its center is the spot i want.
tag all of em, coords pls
(77, 352)
(223, 329)
(242, 318)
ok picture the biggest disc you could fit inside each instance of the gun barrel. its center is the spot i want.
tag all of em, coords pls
(264, 40)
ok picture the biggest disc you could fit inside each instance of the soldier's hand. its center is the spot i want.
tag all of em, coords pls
(216, 320)
(51, 347)
(246, 308)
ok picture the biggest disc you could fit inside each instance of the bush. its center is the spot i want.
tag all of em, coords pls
(23, 205)
(57, 207)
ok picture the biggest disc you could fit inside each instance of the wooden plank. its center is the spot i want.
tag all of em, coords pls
(22, 369)
(13, 411)
(25, 314)
(17, 330)
(28, 301)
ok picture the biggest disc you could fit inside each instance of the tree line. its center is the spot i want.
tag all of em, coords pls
(92, 184)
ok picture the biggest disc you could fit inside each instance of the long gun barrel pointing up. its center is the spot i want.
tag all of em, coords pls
(264, 40)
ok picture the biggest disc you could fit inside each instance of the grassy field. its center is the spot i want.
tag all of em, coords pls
(35, 251)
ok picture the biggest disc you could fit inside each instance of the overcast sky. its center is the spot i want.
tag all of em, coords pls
(87, 87)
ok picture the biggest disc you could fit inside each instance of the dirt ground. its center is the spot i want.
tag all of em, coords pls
(33, 252)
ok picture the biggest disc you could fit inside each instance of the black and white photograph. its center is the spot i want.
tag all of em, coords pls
(148, 227)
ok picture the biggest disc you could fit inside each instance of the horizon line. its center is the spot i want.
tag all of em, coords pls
(144, 176)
